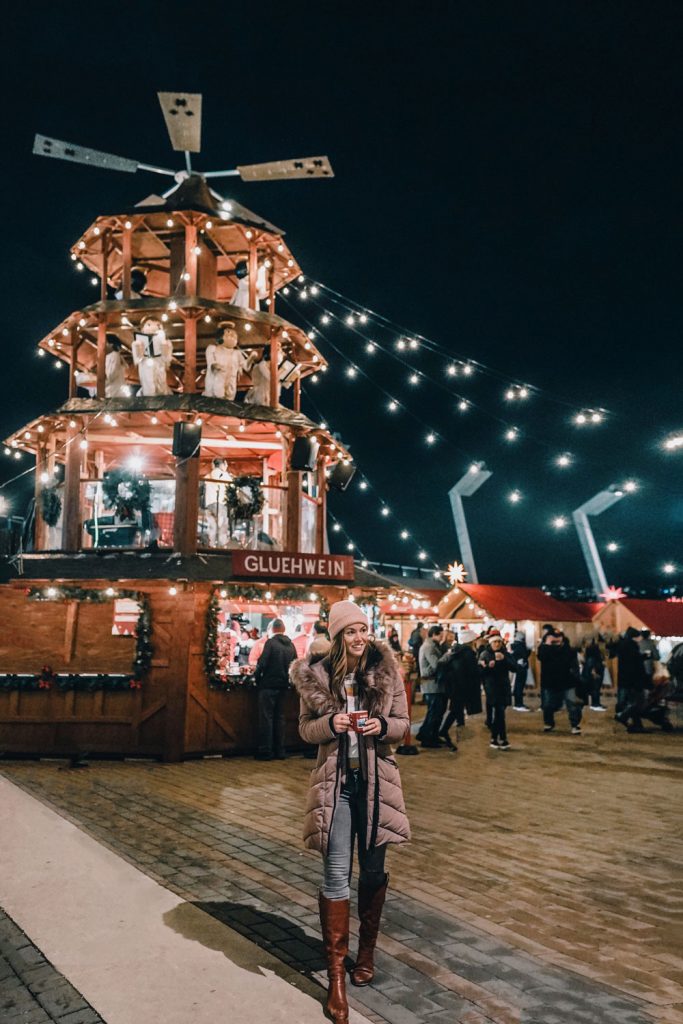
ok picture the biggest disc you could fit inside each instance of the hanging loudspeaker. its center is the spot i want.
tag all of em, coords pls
(186, 439)
(342, 475)
(304, 454)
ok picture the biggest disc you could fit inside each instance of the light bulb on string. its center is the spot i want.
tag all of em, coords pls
(349, 321)
(405, 534)
(612, 547)
(351, 371)
(630, 486)
(563, 460)
(514, 497)
(422, 555)
(350, 546)
(512, 434)
(559, 522)
(468, 369)
(463, 406)
(325, 319)
(363, 485)
(393, 406)
(336, 527)
(400, 344)
(363, 318)
(430, 438)
(413, 379)
(669, 568)
(370, 347)
(385, 511)
(452, 370)
(673, 443)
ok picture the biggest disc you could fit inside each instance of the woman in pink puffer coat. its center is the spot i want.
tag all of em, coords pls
(355, 789)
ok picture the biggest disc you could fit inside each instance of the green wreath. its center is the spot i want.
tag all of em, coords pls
(244, 497)
(125, 492)
(50, 505)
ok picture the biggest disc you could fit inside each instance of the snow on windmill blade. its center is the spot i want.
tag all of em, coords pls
(305, 167)
(44, 146)
(183, 116)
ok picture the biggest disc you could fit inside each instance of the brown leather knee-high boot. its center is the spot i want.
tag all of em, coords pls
(370, 903)
(334, 918)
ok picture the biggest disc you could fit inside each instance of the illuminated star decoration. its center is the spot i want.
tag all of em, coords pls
(457, 573)
(613, 594)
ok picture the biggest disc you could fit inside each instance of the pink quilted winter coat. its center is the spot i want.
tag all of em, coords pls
(384, 698)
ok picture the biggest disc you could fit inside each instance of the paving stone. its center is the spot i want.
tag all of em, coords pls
(494, 895)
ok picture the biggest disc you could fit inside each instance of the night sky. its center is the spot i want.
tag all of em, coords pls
(508, 186)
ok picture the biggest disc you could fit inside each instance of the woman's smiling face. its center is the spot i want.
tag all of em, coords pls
(356, 639)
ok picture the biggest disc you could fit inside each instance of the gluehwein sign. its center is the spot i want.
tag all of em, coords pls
(292, 565)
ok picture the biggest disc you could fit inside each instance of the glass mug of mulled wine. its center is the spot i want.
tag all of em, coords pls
(358, 720)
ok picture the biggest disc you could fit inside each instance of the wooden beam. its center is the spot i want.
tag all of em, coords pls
(71, 528)
(73, 362)
(186, 505)
(253, 272)
(293, 525)
(127, 257)
(101, 356)
(105, 265)
(321, 518)
(297, 395)
(191, 259)
(190, 374)
(70, 631)
(274, 361)
(40, 534)
(271, 289)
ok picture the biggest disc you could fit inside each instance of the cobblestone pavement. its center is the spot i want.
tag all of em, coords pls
(542, 885)
(32, 991)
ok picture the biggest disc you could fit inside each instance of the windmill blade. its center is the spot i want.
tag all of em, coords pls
(306, 167)
(44, 146)
(183, 116)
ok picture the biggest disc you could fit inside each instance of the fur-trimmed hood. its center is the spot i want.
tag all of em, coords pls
(311, 678)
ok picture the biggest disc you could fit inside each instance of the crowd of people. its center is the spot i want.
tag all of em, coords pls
(452, 672)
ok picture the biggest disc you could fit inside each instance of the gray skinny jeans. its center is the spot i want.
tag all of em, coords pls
(350, 817)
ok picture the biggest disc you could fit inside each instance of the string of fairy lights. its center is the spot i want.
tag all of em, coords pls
(334, 309)
(315, 299)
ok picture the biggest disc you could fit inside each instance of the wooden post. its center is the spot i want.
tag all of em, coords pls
(71, 529)
(101, 356)
(271, 290)
(186, 505)
(70, 630)
(190, 372)
(253, 272)
(293, 528)
(297, 395)
(321, 519)
(177, 685)
(40, 534)
(105, 265)
(75, 345)
(127, 256)
(274, 362)
(191, 259)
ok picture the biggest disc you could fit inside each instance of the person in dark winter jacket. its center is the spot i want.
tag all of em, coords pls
(592, 673)
(520, 652)
(495, 665)
(272, 681)
(632, 679)
(433, 689)
(559, 676)
(459, 673)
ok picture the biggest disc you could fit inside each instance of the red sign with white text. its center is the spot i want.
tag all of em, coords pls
(292, 565)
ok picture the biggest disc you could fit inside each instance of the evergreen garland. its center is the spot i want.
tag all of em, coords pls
(50, 505)
(240, 507)
(135, 496)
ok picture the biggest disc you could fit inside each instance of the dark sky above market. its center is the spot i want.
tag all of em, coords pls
(507, 185)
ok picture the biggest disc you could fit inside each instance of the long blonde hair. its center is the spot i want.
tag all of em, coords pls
(339, 667)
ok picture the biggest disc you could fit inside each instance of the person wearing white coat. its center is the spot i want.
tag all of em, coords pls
(115, 367)
(259, 392)
(224, 363)
(152, 356)
(241, 296)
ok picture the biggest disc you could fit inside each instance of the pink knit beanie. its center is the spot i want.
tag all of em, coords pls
(343, 614)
